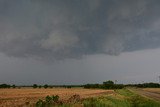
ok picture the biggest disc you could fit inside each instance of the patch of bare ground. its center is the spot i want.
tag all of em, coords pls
(18, 97)
(153, 93)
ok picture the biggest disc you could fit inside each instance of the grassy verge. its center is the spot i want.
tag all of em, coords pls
(123, 98)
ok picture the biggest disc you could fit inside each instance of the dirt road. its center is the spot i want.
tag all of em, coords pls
(152, 93)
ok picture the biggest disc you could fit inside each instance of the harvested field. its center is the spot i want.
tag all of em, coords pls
(18, 97)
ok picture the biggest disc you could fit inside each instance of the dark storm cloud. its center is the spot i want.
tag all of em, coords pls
(59, 29)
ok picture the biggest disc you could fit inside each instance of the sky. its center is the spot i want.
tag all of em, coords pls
(79, 41)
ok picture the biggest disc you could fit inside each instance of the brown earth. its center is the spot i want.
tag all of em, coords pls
(18, 97)
(152, 93)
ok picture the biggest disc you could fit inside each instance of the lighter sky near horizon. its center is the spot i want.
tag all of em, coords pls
(128, 67)
(79, 42)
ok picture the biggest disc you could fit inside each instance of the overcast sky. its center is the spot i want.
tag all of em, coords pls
(79, 41)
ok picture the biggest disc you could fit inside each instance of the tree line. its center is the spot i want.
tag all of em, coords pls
(105, 85)
(111, 85)
(54, 86)
(7, 86)
(145, 85)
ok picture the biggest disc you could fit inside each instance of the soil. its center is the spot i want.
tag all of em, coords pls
(152, 93)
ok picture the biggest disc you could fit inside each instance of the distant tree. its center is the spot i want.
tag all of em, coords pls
(148, 85)
(35, 85)
(13, 86)
(69, 87)
(106, 85)
(108, 82)
(4, 86)
(39, 86)
(92, 86)
(45, 86)
(50, 86)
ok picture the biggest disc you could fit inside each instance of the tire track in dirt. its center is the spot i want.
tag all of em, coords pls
(150, 94)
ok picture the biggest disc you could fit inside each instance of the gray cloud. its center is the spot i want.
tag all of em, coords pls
(60, 29)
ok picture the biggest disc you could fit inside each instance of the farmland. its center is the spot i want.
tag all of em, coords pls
(18, 97)
(130, 97)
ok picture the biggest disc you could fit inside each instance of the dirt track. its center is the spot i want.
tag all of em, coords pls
(152, 93)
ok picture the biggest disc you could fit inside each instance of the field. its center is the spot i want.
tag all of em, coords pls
(18, 97)
(122, 98)
(127, 97)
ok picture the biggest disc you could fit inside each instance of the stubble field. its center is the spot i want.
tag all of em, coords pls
(18, 97)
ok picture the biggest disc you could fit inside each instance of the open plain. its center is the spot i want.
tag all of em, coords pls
(18, 97)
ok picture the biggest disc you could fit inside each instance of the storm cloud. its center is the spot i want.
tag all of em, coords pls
(60, 29)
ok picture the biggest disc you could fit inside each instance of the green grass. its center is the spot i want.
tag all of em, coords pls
(124, 98)
(125, 92)
(106, 102)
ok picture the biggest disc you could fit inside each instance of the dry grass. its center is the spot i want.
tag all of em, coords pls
(18, 97)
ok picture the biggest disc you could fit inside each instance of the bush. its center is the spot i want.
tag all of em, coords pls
(45, 86)
(39, 86)
(4, 86)
(13, 86)
(55, 98)
(50, 101)
(106, 85)
(35, 85)
(108, 82)
(68, 87)
(40, 103)
(149, 85)
(50, 86)
(145, 85)
(92, 86)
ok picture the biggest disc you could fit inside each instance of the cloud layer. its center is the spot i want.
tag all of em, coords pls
(60, 29)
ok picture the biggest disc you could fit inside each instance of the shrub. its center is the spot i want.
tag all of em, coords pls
(50, 101)
(55, 98)
(108, 82)
(40, 103)
(4, 86)
(45, 86)
(39, 86)
(106, 85)
(13, 86)
(68, 87)
(35, 85)
(50, 86)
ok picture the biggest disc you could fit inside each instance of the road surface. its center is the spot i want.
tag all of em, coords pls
(152, 93)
